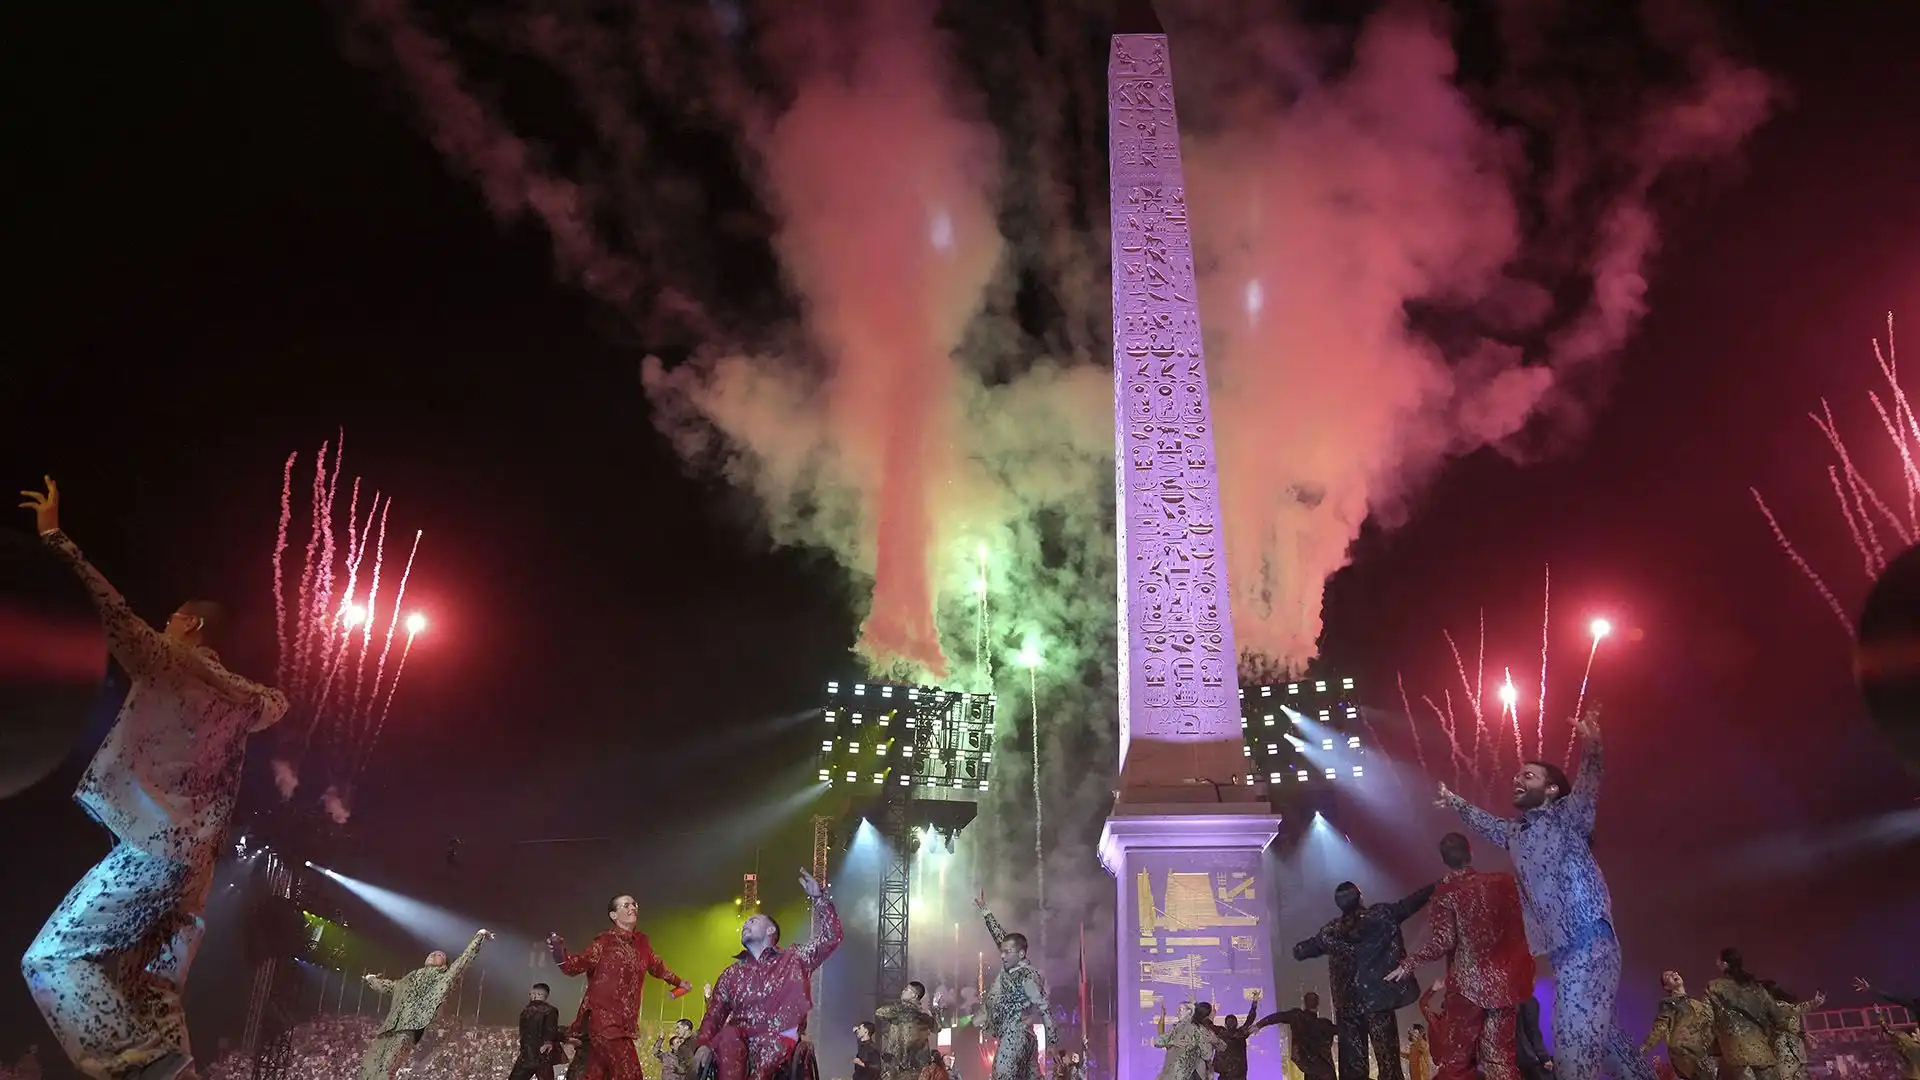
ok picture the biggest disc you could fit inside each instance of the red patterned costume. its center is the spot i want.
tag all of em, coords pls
(616, 966)
(1475, 922)
(758, 1011)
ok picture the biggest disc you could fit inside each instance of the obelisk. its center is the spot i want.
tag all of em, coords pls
(1185, 839)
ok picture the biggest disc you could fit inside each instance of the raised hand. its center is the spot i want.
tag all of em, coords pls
(1588, 726)
(45, 506)
(980, 899)
(1446, 798)
(485, 935)
(1861, 985)
(809, 886)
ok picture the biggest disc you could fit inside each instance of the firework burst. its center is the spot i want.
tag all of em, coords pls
(1873, 521)
(1474, 735)
(330, 666)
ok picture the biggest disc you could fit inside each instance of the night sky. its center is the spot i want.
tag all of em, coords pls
(231, 242)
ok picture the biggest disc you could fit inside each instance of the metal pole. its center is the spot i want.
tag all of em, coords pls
(479, 996)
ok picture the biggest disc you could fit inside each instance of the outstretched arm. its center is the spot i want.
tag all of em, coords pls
(379, 984)
(459, 965)
(993, 926)
(1443, 935)
(1311, 948)
(827, 934)
(144, 651)
(1494, 830)
(1408, 906)
(574, 963)
(1662, 1027)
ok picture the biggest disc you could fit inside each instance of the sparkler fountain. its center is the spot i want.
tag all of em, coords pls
(1184, 841)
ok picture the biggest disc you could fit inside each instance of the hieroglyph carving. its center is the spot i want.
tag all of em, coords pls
(1177, 655)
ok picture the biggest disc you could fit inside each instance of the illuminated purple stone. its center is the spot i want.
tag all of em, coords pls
(1185, 840)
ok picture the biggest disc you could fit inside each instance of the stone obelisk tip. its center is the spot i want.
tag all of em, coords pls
(1136, 17)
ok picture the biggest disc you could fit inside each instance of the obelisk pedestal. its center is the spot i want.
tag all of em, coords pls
(1185, 839)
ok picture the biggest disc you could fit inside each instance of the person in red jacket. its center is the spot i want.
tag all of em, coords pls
(1475, 922)
(757, 1017)
(616, 965)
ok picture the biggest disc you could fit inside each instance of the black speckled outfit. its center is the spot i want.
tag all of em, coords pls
(109, 967)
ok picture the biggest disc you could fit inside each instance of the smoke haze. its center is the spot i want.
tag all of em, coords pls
(1403, 259)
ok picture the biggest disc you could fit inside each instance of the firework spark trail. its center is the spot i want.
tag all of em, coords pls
(399, 598)
(1862, 491)
(1473, 697)
(392, 689)
(1909, 469)
(303, 640)
(328, 645)
(279, 592)
(1419, 752)
(1833, 602)
(360, 700)
(1480, 696)
(1869, 557)
(1580, 702)
(1519, 753)
(1540, 722)
(1449, 725)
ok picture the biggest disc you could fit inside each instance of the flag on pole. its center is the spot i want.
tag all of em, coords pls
(1085, 998)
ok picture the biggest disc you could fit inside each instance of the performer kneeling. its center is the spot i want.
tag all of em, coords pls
(757, 1016)
(417, 996)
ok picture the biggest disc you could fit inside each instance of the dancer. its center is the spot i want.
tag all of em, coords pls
(1686, 1026)
(866, 1053)
(417, 996)
(1363, 946)
(1231, 1061)
(1190, 1044)
(577, 1041)
(1310, 1036)
(1018, 992)
(1419, 1054)
(1568, 912)
(1790, 1043)
(675, 1052)
(1744, 1018)
(1906, 1044)
(1476, 924)
(1534, 1060)
(757, 1017)
(109, 968)
(539, 1036)
(616, 965)
(907, 1032)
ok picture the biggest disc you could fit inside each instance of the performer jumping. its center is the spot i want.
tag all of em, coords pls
(539, 1036)
(417, 996)
(109, 968)
(756, 1020)
(1362, 947)
(616, 965)
(1007, 1009)
(1564, 898)
(1476, 924)
(1686, 1026)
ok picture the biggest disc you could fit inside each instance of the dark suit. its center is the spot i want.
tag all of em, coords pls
(1360, 949)
(539, 1027)
(1530, 1045)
